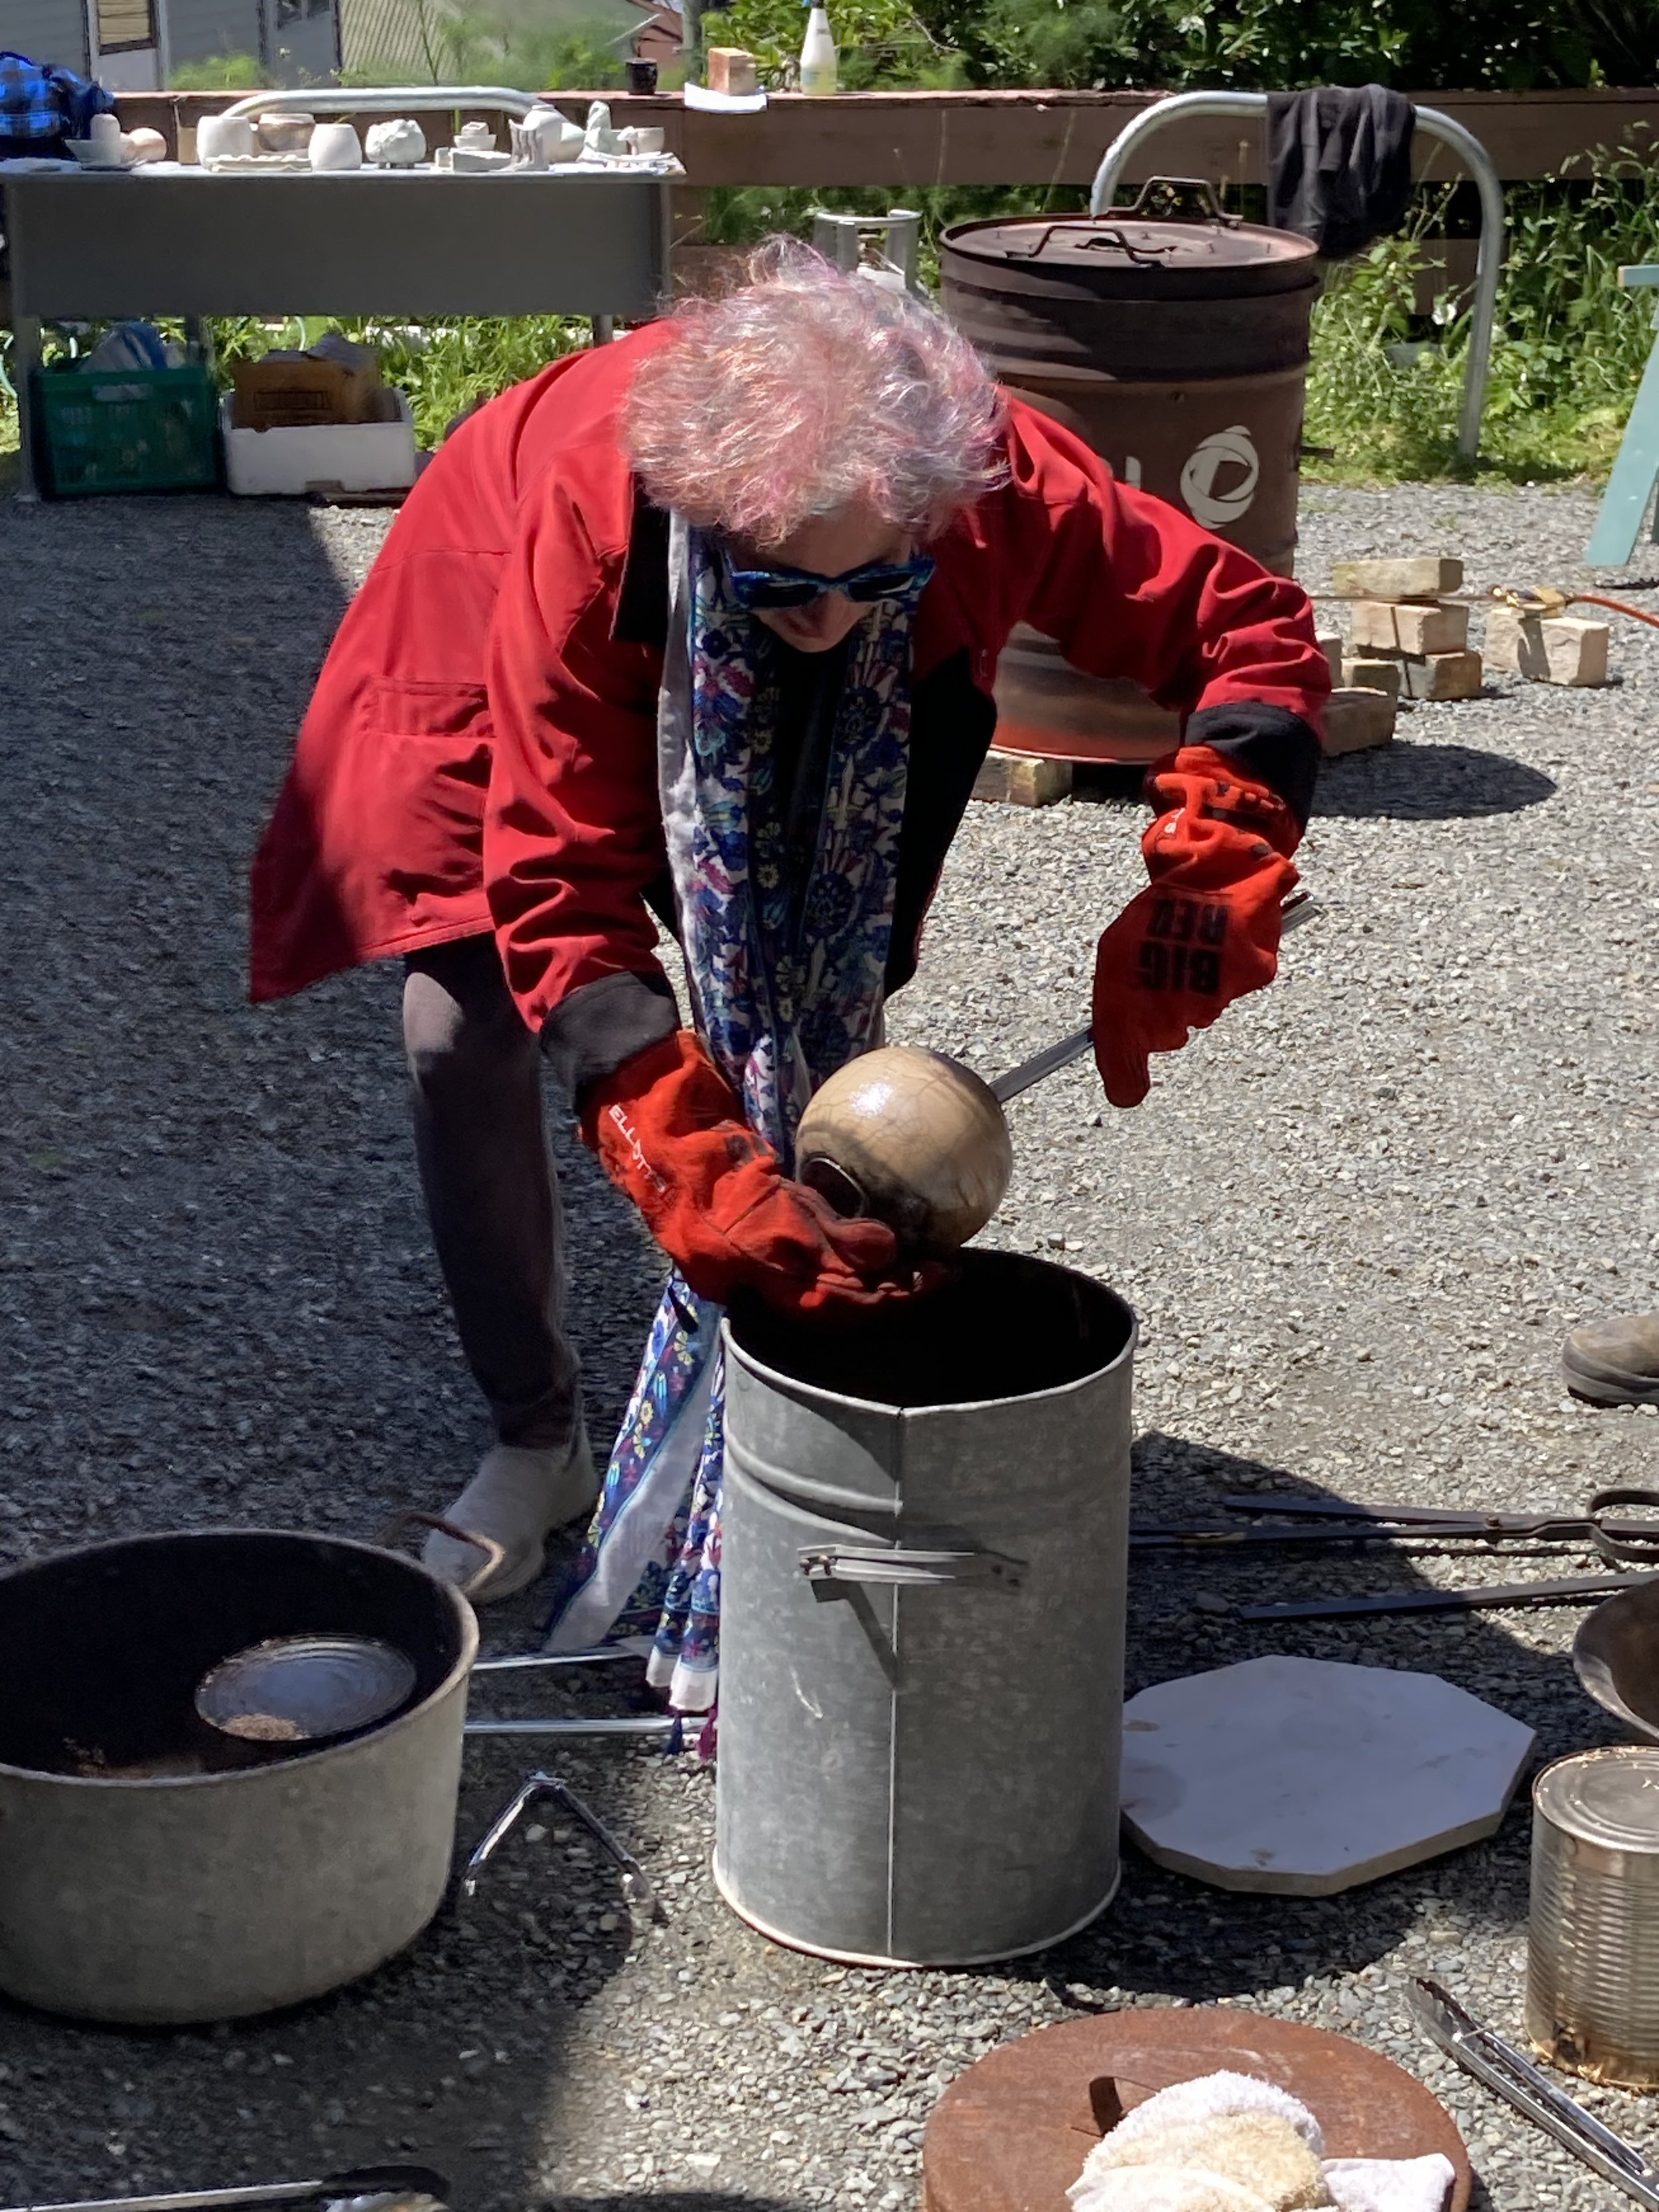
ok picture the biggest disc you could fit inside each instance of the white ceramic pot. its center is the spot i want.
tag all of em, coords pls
(397, 144)
(639, 139)
(549, 137)
(476, 137)
(104, 135)
(142, 145)
(220, 137)
(335, 146)
(284, 134)
(599, 138)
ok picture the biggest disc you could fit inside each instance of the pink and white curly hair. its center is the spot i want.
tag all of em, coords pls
(806, 394)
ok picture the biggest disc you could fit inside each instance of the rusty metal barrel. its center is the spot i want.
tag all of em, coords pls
(1175, 344)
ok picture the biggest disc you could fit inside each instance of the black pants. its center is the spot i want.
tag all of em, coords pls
(491, 1193)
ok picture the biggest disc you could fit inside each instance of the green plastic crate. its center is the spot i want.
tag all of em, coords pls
(129, 429)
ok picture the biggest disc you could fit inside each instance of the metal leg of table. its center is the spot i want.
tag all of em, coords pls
(1629, 487)
(198, 341)
(604, 329)
(25, 360)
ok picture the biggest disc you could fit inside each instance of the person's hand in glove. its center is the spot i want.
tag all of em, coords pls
(669, 1129)
(1205, 930)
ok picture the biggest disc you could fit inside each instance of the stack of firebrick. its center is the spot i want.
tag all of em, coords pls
(1409, 642)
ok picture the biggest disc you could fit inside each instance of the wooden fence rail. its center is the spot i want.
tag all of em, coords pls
(904, 140)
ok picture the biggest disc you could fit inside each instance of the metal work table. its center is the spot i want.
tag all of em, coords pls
(168, 240)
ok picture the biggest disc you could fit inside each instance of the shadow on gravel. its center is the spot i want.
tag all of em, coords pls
(219, 1305)
(668, 2200)
(1170, 1936)
(1413, 782)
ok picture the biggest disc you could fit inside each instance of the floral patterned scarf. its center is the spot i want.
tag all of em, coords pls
(786, 981)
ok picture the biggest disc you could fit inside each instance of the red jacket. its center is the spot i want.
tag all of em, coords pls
(481, 744)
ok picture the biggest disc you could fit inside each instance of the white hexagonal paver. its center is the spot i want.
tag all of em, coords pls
(1306, 1777)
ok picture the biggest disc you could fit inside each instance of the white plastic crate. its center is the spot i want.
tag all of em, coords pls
(287, 463)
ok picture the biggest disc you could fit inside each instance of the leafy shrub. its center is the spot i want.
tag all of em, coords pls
(219, 73)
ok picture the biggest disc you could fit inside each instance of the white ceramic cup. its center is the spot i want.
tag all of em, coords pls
(335, 146)
(222, 136)
(644, 139)
(284, 133)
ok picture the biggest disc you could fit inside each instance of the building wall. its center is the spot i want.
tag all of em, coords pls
(46, 31)
(300, 46)
(383, 37)
(199, 29)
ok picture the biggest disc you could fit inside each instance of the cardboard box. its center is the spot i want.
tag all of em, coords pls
(289, 459)
(732, 70)
(299, 392)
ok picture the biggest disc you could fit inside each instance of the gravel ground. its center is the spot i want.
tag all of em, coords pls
(1355, 1219)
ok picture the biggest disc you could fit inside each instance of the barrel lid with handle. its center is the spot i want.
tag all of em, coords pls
(1175, 241)
(1609, 1797)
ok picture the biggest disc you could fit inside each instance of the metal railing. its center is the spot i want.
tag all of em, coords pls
(383, 100)
(1489, 260)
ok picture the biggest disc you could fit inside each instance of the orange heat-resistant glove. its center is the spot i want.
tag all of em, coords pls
(1206, 930)
(670, 1131)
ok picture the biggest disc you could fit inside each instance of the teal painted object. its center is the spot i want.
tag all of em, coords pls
(1635, 472)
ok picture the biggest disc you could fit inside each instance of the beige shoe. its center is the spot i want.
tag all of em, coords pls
(1614, 1363)
(519, 1496)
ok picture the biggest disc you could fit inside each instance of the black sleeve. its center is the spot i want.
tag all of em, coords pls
(1269, 744)
(590, 1034)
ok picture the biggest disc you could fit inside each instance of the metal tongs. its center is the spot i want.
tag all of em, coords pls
(364, 2188)
(636, 1885)
(1300, 907)
(1524, 2085)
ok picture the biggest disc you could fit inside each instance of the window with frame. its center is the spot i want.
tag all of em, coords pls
(124, 25)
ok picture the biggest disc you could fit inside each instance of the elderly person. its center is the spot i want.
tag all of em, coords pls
(703, 625)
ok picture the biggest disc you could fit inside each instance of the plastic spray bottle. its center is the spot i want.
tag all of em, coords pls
(818, 55)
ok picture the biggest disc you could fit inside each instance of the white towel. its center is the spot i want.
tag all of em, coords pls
(1353, 2185)
(1390, 2184)
(1212, 2097)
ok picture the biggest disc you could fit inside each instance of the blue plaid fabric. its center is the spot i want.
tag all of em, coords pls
(38, 103)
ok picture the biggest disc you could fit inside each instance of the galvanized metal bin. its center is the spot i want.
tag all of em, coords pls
(1177, 349)
(925, 1545)
(1593, 1937)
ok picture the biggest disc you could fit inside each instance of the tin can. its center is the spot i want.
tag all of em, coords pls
(1592, 1937)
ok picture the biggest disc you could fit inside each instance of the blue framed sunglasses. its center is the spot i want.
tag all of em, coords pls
(902, 583)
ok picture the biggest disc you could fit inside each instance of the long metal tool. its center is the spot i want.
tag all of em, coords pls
(519, 1662)
(1449, 1521)
(1221, 1536)
(658, 1726)
(1568, 1589)
(383, 2188)
(1300, 907)
(1520, 2083)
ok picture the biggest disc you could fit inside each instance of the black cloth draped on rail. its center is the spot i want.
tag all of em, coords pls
(1338, 164)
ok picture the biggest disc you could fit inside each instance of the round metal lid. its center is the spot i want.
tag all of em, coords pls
(298, 1689)
(1091, 243)
(1609, 1797)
